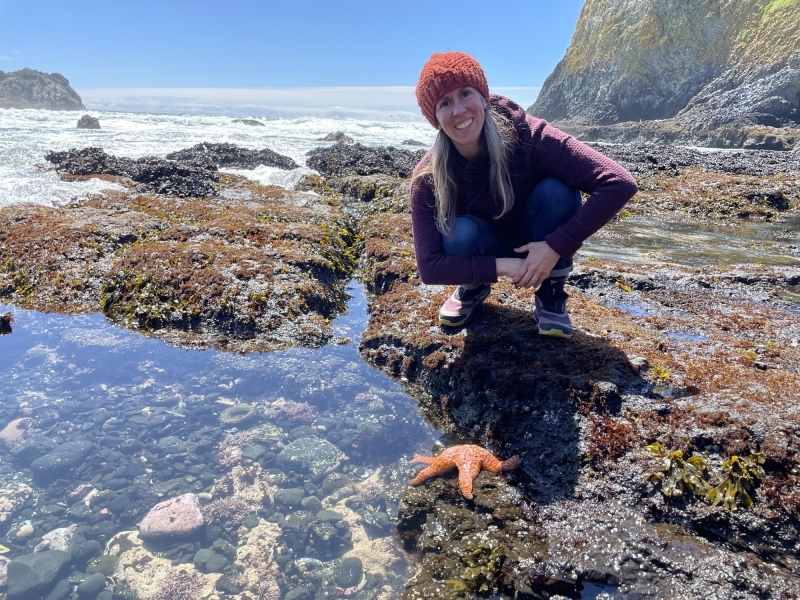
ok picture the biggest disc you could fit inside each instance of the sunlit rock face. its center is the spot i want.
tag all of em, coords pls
(702, 61)
(27, 88)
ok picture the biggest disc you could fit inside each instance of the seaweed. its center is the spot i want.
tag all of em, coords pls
(484, 566)
(742, 475)
(680, 475)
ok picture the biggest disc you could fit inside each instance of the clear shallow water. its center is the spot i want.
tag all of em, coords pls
(698, 245)
(81, 376)
(27, 135)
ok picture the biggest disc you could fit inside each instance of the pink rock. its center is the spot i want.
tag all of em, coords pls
(177, 516)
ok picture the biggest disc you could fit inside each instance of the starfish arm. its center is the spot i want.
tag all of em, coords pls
(435, 468)
(423, 459)
(466, 473)
(496, 466)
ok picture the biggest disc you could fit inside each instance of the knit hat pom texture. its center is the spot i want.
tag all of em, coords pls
(444, 73)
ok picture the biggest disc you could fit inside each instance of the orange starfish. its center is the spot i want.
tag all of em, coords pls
(468, 459)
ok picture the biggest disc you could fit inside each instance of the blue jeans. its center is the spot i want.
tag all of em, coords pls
(550, 205)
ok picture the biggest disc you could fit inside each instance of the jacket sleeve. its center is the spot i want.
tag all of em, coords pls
(609, 185)
(434, 266)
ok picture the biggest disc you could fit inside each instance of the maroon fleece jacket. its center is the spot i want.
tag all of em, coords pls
(541, 151)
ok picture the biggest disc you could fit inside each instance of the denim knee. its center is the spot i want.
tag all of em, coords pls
(554, 200)
(471, 236)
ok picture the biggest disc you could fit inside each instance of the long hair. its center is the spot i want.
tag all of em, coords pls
(496, 142)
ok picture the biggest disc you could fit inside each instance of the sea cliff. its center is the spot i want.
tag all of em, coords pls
(718, 73)
(27, 88)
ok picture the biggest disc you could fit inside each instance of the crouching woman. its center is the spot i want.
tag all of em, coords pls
(499, 194)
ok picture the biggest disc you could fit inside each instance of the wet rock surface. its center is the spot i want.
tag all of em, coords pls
(356, 159)
(263, 268)
(88, 122)
(232, 156)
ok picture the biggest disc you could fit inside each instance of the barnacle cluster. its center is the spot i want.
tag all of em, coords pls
(484, 566)
(688, 476)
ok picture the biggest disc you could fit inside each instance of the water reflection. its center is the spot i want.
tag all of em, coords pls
(698, 245)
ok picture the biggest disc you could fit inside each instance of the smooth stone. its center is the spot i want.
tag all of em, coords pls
(62, 591)
(62, 458)
(311, 503)
(310, 455)
(84, 551)
(217, 563)
(119, 503)
(289, 497)
(350, 572)
(80, 510)
(254, 452)
(331, 516)
(251, 521)
(32, 574)
(92, 585)
(298, 593)
(174, 517)
(105, 595)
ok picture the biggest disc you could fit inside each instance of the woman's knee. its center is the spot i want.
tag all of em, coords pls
(555, 197)
(466, 239)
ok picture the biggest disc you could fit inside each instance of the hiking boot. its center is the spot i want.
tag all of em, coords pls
(459, 307)
(550, 313)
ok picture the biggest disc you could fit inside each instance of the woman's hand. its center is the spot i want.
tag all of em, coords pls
(508, 267)
(537, 265)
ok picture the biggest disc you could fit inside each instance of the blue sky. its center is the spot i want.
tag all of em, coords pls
(241, 44)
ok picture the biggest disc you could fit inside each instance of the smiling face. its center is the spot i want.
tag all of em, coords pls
(460, 115)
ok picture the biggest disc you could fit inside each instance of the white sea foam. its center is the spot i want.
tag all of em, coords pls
(27, 135)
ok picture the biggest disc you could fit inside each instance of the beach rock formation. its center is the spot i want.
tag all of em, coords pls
(188, 172)
(88, 122)
(356, 159)
(222, 155)
(703, 64)
(27, 88)
(260, 268)
(336, 136)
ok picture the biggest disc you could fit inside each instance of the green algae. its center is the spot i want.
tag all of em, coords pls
(742, 474)
(484, 567)
(679, 476)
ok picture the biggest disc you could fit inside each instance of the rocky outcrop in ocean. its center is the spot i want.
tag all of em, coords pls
(703, 64)
(27, 88)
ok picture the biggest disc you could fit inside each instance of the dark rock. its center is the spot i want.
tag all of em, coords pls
(249, 122)
(62, 458)
(103, 564)
(82, 552)
(62, 590)
(27, 88)
(290, 497)
(6, 319)
(226, 586)
(152, 174)
(30, 575)
(336, 136)
(88, 122)
(254, 452)
(355, 159)
(311, 503)
(92, 585)
(29, 449)
(410, 142)
(231, 156)
(350, 572)
(298, 593)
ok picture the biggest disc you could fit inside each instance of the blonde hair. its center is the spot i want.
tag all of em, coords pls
(497, 141)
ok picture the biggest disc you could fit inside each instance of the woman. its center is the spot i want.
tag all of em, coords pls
(499, 194)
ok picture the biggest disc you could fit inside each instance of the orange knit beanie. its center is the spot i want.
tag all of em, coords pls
(444, 73)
